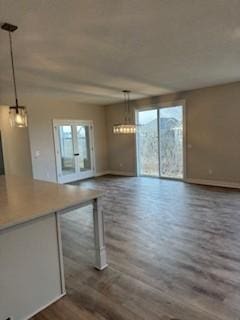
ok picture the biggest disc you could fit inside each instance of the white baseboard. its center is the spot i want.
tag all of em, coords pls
(44, 307)
(215, 183)
(205, 182)
(122, 173)
(102, 173)
(115, 173)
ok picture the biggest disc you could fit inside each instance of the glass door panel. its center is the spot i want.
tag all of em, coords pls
(171, 142)
(83, 139)
(74, 150)
(148, 148)
(66, 149)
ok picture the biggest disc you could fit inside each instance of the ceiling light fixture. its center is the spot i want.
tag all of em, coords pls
(17, 114)
(128, 126)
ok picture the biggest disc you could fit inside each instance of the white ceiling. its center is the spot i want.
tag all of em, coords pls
(89, 50)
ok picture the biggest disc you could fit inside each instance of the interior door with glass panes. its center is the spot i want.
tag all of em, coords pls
(74, 150)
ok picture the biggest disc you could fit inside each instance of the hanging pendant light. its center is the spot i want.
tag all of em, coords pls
(128, 127)
(17, 114)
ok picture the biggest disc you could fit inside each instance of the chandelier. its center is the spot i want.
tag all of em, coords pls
(128, 126)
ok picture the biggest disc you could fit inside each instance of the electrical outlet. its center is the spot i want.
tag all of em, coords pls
(210, 172)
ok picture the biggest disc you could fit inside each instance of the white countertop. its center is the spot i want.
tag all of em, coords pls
(25, 199)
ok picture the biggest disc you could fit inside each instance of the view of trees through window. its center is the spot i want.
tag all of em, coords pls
(171, 142)
(160, 139)
(148, 143)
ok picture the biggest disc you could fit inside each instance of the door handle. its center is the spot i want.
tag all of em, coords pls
(76, 154)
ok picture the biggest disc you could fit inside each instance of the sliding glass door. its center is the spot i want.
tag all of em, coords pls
(148, 148)
(171, 142)
(160, 142)
(74, 150)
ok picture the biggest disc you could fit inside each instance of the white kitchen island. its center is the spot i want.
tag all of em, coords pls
(31, 261)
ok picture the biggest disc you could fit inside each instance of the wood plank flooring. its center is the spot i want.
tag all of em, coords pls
(173, 251)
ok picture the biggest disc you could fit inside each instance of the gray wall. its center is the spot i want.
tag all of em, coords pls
(16, 148)
(213, 131)
(121, 148)
(212, 123)
(20, 154)
(41, 113)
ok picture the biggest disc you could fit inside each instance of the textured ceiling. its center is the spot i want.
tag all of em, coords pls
(89, 50)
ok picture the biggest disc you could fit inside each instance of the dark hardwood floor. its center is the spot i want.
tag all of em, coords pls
(173, 251)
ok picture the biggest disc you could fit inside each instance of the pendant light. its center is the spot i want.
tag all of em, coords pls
(17, 114)
(128, 127)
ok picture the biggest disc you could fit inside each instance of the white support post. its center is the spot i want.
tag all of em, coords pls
(98, 220)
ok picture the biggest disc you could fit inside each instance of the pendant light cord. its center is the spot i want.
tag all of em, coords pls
(125, 103)
(127, 117)
(13, 71)
(128, 107)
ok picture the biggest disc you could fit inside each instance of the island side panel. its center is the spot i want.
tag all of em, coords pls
(30, 271)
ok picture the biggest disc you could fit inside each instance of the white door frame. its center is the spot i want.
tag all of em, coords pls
(158, 107)
(79, 175)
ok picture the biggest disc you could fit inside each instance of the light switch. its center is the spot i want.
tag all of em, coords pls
(37, 154)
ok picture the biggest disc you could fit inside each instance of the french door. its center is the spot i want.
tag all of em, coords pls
(74, 150)
(160, 142)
